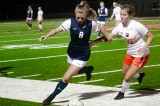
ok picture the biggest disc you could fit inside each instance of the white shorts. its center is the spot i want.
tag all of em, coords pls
(29, 18)
(39, 18)
(78, 63)
(101, 22)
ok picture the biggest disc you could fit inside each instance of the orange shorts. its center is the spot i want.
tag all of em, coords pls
(137, 61)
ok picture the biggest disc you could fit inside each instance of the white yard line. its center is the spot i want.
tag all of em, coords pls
(32, 39)
(28, 76)
(135, 83)
(36, 58)
(84, 82)
(104, 72)
(6, 73)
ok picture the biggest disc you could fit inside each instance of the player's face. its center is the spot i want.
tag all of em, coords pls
(39, 8)
(29, 7)
(101, 4)
(125, 16)
(114, 4)
(80, 18)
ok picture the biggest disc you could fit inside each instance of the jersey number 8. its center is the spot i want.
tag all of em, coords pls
(81, 35)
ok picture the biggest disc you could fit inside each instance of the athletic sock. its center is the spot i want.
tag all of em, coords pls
(83, 70)
(125, 86)
(40, 26)
(99, 34)
(137, 75)
(28, 24)
(59, 88)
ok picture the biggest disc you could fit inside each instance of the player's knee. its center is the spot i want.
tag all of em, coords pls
(65, 80)
(123, 73)
(127, 79)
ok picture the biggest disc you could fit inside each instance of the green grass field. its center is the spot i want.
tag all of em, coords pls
(22, 55)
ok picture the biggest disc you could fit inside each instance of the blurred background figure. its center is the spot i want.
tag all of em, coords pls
(102, 14)
(116, 13)
(29, 17)
(40, 18)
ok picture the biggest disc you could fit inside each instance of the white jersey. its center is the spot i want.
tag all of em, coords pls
(67, 24)
(117, 13)
(133, 34)
(40, 15)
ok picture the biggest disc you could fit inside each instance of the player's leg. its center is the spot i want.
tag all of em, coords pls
(27, 21)
(72, 70)
(85, 69)
(74, 67)
(40, 24)
(101, 25)
(127, 81)
(88, 71)
(141, 61)
(30, 23)
(126, 65)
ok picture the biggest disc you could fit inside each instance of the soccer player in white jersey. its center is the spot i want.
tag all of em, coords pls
(29, 17)
(137, 51)
(78, 50)
(40, 18)
(116, 13)
(102, 15)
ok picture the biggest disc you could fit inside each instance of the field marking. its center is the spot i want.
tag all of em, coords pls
(22, 35)
(135, 83)
(34, 75)
(104, 72)
(91, 95)
(84, 82)
(2, 73)
(36, 58)
(33, 39)
(49, 38)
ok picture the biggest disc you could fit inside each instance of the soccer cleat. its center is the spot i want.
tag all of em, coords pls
(119, 96)
(98, 37)
(140, 79)
(88, 73)
(47, 101)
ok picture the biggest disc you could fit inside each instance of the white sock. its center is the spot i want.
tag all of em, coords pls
(137, 75)
(40, 26)
(125, 86)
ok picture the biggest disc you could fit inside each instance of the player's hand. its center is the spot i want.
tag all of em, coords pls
(91, 43)
(42, 38)
(108, 38)
(141, 51)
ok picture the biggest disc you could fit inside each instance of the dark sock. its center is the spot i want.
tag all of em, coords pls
(28, 24)
(60, 86)
(99, 34)
(83, 70)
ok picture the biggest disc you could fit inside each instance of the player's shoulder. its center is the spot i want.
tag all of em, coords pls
(135, 23)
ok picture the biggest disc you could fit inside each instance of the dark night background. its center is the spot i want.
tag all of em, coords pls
(16, 9)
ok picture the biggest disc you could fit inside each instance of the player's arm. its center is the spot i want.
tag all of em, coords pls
(150, 38)
(111, 17)
(107, 37)
(32, 14)
(51, 33)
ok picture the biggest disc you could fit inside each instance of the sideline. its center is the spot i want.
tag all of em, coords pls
(37, 91)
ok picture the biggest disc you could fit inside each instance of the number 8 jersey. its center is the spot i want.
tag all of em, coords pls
(79, 47)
